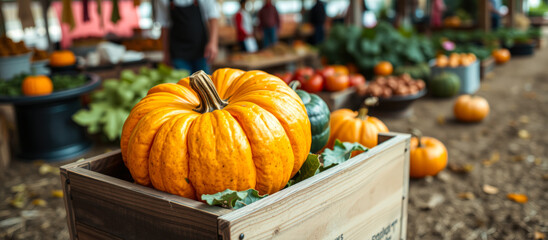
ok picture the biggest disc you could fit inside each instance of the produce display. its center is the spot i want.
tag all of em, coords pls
(444, 85)
(318, 114)
(428, 156)
(501, 55)
(366, 47)
(14, 87)
(351, 126)
(332, 78)
(111, 105)
(419, 71)
(455, 60)
(10, 48)
(386, 87)
(39, 55)
(470, 108)
(278, 49)
(142, 45)
(62, 58)
(175, 140)
(37, 85)
(452, 22)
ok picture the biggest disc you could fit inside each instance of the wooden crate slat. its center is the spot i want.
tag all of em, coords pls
(86, 232)
(288, 215)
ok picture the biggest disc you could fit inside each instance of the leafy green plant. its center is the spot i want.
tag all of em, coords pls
(233, 199)
(111, 104)
(365, 47)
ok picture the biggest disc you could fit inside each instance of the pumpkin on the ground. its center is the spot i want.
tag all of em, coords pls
(318, 114)
(444, 85)
(351, 126)
(501, 55)
(470, 108)
(383, 68)
(236, 130)
(62, 58)
(428, 156)
(36, 85)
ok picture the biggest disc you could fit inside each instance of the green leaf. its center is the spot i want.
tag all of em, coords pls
(309, 168)
(341, 152)
(233, 199)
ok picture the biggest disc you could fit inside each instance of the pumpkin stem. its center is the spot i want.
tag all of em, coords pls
(370, 101)
(209, 97)
(418, 134)
(294, 85)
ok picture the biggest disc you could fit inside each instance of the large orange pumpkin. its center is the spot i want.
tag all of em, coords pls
(383, 68)
(501, 55)
(36, 85)
(351, 126)
(471, 108)
(236, 130)
(428, 156)
(62, 58)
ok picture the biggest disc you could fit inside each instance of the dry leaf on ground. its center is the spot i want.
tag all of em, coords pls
(39, 202)
(524, 119)
(467, 195)
(524, 134)
(461, 168)
(57, 193)
(495, 157)
(490, 189)
(516, 197)
(440, 119)
(539, 236)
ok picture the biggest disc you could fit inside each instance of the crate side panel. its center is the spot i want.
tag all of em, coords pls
(89, 233)
(344, 203)
(131, 211)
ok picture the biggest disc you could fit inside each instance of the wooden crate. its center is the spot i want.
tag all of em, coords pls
(363, 198)
(347, 98)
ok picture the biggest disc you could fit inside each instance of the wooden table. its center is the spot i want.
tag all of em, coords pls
(310, 59)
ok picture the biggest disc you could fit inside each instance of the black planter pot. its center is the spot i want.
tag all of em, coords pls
(396, 106)
(45, 127)
(522, 49)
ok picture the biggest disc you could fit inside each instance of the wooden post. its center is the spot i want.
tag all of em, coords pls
(484, 16)
(45, 7)
(511, 13)
(355, 12)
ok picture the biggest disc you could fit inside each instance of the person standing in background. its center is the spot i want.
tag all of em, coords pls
(244, 27)
(438, 7)
(269, 20)
(189, 33)
(317, 19)
(496, 14)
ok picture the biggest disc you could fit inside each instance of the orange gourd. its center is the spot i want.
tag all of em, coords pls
(501, 55)
(36, 85)
(470, 108)
(383, 68)
(62, 58)
(236, 130)
(428, 156)
(351, 126)
(341, 69)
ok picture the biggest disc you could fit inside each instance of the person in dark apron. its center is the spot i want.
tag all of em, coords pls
(187, 43)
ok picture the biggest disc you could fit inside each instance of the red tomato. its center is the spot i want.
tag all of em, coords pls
(356, 80)
(286, 77)
(301, 73)
(313, 84)
(337, 82)
(326, 71)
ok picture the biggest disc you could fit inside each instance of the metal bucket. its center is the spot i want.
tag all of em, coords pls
(14, 65)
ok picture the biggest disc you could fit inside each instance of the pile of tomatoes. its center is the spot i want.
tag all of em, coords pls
(330, 78)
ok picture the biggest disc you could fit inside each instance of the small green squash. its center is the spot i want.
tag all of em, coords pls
(318, 114)
(445, 85)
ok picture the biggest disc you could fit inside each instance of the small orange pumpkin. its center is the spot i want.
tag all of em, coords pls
(62, 58)
(471, 108)
(442, 61)
(501, 55)
(351, 126)
(341, 69)
(37, 85)
(428, 156)
(383, 68)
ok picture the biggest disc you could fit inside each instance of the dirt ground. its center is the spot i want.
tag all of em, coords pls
(507, 151)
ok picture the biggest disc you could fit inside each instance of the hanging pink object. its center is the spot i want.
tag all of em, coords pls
(448, 45)
(123, 28)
